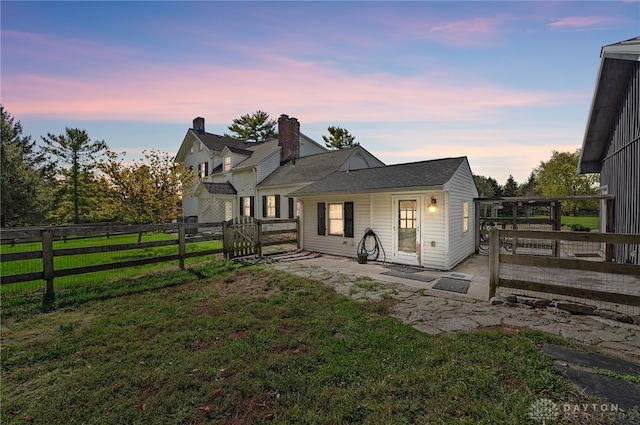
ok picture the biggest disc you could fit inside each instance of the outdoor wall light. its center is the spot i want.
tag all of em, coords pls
(433, 206)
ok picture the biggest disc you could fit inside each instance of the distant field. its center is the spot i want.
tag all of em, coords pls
(82, 260)
(590, 221)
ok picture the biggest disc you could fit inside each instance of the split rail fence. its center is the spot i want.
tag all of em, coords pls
(268, 233)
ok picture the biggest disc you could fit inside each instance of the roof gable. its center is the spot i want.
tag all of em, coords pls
(309, 168)
(259, 153)
(618, 63)
(213, 142)
(433, 173)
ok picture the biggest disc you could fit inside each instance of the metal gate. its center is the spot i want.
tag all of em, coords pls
(241, 237)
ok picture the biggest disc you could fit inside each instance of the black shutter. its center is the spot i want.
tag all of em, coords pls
(206, 168)
(264, 206)
(241, 206)
(277, 206)
(322, 228)
(348, 219)
(252, 206)
(291, 209)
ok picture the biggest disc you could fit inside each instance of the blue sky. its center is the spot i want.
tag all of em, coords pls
(505, 83)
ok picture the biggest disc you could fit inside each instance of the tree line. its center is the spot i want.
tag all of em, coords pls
(555, 177)
(70, 178)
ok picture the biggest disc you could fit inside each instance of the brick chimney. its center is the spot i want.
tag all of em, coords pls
(288, 138)
(198, 124)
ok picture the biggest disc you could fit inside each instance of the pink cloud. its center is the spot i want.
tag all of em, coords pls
(475, 31)
(579, 22)
(154, 92)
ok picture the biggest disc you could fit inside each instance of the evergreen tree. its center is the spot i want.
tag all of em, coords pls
(24, 176)
(339, 138)
(510, 188)
(530, 187)
(488, 187)
(75, 149)
(253, 128)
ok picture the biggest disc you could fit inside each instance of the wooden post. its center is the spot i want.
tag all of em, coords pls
(227, 240)
(258, 241)
(181, 244)
(556, 212)
(476, 237)
(48, 299)
(298, 235)
(494, 261)
(47, 258)
(609, 228)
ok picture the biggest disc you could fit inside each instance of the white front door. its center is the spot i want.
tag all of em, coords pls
(407, 230)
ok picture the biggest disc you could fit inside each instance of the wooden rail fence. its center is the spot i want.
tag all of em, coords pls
(499, 239)
(187, 233)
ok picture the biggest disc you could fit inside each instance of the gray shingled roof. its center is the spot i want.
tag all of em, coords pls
(433, 173)
(259, 152)
(220, 188)
(308, 168)
(216, 142)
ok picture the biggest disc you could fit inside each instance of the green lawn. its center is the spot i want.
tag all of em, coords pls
(81, 260)
(224, 344)
(590, 221)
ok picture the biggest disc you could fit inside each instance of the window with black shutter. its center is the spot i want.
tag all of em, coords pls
(291, 208)
(348, 219)
(322, 228)
(271, 206)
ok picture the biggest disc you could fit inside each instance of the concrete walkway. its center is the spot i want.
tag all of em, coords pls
(435, 311)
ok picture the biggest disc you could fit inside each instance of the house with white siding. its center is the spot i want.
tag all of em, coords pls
(419, 213)
(238, 178)
(611, 145)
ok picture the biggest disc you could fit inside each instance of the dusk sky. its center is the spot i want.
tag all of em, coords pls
(503, 83)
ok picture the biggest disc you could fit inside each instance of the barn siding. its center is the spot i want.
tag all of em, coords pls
(621, 165)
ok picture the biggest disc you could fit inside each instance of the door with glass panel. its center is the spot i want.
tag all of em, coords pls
(407, 231)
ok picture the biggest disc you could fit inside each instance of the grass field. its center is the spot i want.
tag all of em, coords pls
(224, 344)
(590, 221)
(35, 265)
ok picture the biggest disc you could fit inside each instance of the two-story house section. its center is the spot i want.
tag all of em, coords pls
(229, 170)
(297, 173)
(202, 152)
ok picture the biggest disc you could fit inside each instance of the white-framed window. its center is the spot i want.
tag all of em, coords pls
(201, 146)
(246, 206)
(465, 217)
(271, 206)
(203, 169)
(227, 163)
(191, 149)
(335, 219)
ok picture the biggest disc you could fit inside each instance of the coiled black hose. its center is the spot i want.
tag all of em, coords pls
(374, 252)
